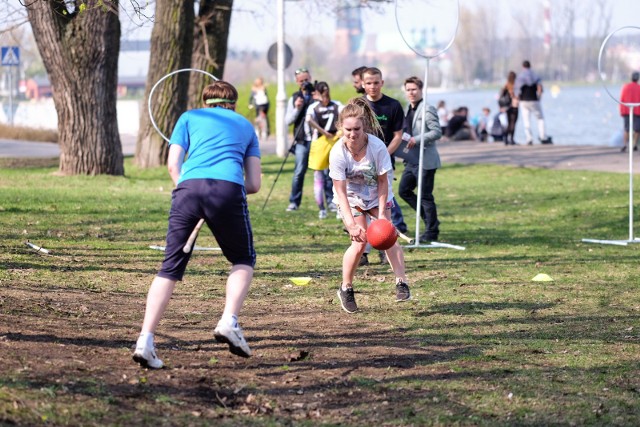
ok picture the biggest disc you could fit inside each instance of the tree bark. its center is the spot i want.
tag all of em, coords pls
(80, 53)
(171, 47)
(210, 37)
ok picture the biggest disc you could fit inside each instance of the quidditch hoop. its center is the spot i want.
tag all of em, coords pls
(153, 122)
(441, 51)
(602, 74)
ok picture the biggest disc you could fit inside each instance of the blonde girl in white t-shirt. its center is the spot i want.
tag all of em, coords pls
(361, 170)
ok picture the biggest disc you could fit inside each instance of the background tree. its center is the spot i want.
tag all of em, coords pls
(210, 39)
(171, 49)
(80, 53)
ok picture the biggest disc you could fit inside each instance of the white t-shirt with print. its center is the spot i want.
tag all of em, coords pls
(362, 176)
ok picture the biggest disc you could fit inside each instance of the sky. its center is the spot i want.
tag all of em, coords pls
(253, 23)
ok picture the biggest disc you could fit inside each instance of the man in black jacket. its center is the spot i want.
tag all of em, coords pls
(295, 115)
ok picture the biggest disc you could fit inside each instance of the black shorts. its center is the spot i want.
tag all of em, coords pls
(223, 205)
(636, 123)
(264, 108)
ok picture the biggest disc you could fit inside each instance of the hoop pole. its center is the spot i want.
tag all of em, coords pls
(630, 150)
(421, 157)
(631, 106)
(416, 244)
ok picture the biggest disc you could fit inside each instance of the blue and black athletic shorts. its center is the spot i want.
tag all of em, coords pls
(223, 205)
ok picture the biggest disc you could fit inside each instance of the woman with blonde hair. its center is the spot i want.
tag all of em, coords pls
(361, 170)
(260, 101)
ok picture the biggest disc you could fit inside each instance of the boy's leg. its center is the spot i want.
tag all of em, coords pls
(238, 284)
(228, 331)
(157, 300)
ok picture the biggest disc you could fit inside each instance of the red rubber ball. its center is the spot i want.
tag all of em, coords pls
(381, 234)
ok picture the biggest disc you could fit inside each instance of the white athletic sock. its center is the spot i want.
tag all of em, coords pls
(231, 320)
(145, 339)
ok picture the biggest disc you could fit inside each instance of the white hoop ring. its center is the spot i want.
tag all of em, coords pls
(153, 122)
(604, 43)
(441, 51)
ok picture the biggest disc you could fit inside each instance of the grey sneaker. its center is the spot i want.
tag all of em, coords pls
(347, 300)
(227, 334)
(402, 292)
(146, 357)
(383, 257)
(292, 207)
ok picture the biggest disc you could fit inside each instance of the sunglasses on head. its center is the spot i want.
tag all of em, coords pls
(301, 70)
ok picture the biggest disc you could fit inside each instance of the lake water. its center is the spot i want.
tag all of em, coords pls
(573, 115)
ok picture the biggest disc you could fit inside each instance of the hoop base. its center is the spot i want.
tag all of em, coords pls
(435, 245)
(195, 248)
(612, 242)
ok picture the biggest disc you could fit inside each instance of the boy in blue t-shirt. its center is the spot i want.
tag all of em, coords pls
(223, 166)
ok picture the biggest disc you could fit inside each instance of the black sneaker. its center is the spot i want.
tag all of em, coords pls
(364, 260)
(427, 238)
(402, 292)
(347, 300)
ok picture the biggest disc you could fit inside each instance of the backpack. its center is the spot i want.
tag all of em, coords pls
(505, 99)
(496, 127)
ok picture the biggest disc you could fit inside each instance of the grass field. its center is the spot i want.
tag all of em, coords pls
(479, 344)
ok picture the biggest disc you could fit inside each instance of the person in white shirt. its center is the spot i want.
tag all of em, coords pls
(362, 173)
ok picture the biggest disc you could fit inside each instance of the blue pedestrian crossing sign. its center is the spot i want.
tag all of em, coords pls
(10, 55)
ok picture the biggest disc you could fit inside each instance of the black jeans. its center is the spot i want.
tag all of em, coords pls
(428, 210)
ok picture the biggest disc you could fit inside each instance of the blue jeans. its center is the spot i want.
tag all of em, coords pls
(396, 217)
(302, 162)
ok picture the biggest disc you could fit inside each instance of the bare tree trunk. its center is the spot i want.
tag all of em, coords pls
(80, 52)
(210, 36)
(171, 46)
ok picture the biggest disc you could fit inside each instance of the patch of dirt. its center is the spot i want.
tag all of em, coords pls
(309, 363)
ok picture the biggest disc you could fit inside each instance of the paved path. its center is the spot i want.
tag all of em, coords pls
(21, 149)
(570, 157)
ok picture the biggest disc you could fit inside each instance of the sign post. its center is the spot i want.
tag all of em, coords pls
(10, 56)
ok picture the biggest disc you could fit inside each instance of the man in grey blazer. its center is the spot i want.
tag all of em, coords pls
(409, 150)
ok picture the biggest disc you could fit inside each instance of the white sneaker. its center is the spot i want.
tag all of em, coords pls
(292, 207)
(322, 214)
(146, 357)
(332, 207)
(225, 333)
